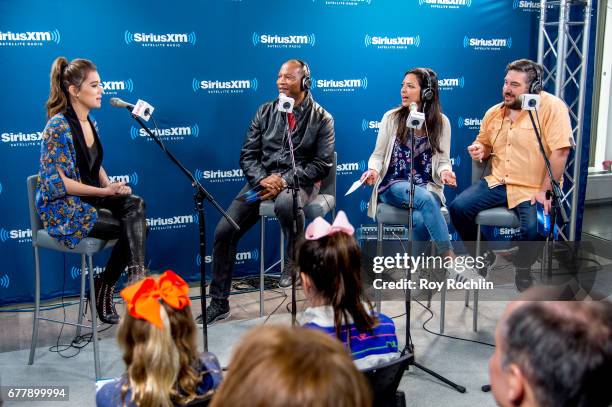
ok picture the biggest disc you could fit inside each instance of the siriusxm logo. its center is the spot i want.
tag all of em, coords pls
(160, 40)
(346, 2)
(487, 44)
(22, 139)
(21, 235)
(341, 85)
(173, 222)
(113, 87)
(451, 83)
(370, 125)
(75, 272)
(363, 206)
(350, 168)
(392, 42)
(235, 174)
(283, 41)
(5, 281)
(170, 133)
(456, 161)
(505, 233)
(232, 86)
(29, 38)
(469, 122)
(529, 6)
(241, 257)
(446, 3)
(131, 179)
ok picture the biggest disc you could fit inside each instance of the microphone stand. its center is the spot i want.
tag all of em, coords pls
(554, 194)
(200, 194)
(409, 347)
(297, 208)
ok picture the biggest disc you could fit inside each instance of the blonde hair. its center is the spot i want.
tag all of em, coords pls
(276, 366)
(161, 363)
(63, 75)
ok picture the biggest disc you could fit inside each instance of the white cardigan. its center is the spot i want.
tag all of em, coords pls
(381, 156)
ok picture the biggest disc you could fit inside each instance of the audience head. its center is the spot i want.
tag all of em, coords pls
(329, 262)
(158, 338)
(75, 82)
(552, 353)
(276, 366)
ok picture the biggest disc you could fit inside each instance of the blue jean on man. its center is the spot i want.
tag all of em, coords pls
(478, 197)
(428, 222)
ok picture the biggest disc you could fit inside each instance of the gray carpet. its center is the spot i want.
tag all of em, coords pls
(462, 362)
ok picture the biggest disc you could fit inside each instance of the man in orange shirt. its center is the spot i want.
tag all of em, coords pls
(519, 177)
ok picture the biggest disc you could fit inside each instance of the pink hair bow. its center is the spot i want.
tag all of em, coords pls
(320, 227)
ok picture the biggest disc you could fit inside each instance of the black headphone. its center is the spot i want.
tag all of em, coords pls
(427, 94)
(536, 84)
(306, 81)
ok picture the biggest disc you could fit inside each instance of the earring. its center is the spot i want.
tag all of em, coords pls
(77, 95)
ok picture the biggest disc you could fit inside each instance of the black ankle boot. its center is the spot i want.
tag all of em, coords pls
(104, 302)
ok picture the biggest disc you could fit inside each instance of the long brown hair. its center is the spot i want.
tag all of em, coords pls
(63, 74)
(333, 263)
(161, 363)
(277, 366)
(432, 110)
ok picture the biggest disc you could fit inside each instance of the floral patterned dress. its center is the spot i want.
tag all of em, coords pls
(65, 217)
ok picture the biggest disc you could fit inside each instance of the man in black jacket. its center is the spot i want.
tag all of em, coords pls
(266, 161)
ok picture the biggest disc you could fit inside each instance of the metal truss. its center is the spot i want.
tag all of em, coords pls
(563, 45)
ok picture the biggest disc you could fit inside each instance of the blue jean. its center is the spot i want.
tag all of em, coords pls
(428, 222)
(478, 197)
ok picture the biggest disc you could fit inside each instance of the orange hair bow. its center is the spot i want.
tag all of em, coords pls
(142, 298)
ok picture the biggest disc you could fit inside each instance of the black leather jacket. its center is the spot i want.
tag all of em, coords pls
(266, 150)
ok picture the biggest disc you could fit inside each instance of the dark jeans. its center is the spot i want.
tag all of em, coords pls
(478, 197)
(128, 224)
(246, 215)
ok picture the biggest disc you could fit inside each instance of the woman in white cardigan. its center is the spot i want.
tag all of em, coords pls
(389, 164)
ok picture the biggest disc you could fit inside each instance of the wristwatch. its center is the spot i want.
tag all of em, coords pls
(284, 183)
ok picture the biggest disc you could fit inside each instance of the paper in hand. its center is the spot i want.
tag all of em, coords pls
(354, 187)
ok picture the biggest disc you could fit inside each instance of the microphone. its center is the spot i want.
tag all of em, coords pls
(116, 102)
(285, 103)
(415, 118)
(529, 101)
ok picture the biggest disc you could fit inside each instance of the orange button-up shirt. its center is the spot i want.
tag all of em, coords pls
(516, 158)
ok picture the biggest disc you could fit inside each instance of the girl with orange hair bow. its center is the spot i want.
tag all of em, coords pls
(158, 338)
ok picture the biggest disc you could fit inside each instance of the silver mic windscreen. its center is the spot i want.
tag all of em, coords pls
(116, 102)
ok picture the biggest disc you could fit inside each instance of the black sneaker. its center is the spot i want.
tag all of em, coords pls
(217, 310)
(523, 279)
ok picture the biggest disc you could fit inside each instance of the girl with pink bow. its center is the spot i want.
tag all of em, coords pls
(329, 262)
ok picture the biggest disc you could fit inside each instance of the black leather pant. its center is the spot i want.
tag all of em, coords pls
(121, 217)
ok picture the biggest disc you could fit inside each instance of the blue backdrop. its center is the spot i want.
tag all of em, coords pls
(206, 67)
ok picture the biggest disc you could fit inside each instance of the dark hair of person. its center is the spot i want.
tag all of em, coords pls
(564, 349)
(531, 68)
(333, 263)
(63, 74)
(432, 110)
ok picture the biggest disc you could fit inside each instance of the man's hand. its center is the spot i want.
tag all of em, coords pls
(477, 151)
(273, 185)
(448, 178)
(541, 198)
(369, 177)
